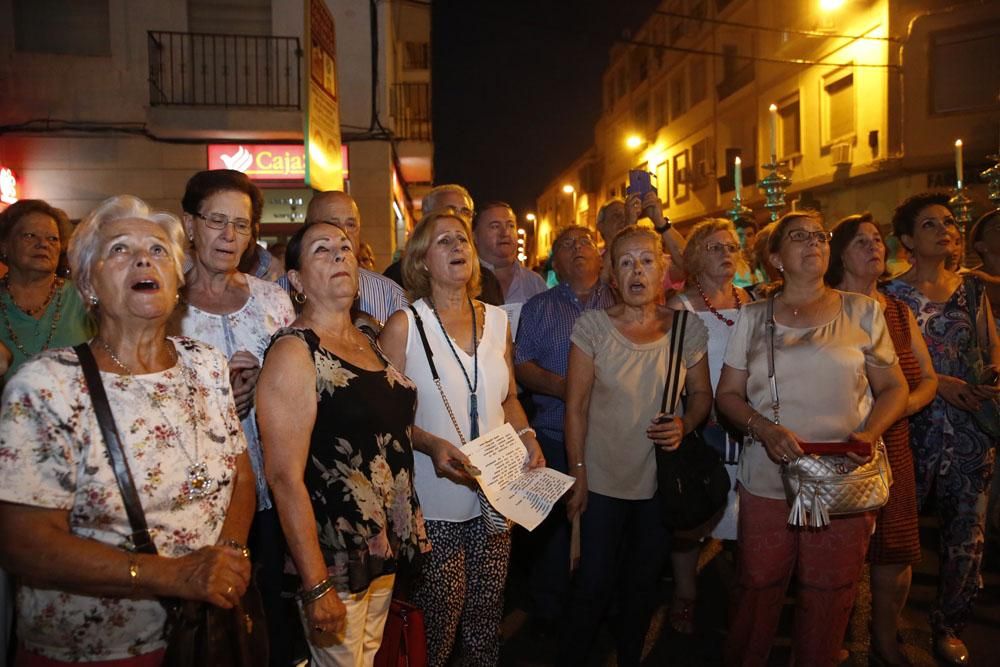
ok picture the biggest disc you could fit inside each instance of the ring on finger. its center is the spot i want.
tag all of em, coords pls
(784, 458)
(229, 590)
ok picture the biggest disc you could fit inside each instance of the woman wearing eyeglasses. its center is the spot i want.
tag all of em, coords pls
(953, 448)
(837, 378)
(236, 313)
(712, 258)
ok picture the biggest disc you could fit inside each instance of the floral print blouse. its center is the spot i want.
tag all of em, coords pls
(250, 329)
(53, 456)
(359, 473)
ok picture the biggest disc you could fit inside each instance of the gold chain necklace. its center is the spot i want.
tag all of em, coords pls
(199, 483)
(55, 317)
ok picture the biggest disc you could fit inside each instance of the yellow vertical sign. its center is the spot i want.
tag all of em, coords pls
(324, 165)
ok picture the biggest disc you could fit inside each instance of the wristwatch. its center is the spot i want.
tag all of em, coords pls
(665, 227)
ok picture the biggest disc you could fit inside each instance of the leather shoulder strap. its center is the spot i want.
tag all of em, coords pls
(133, 506)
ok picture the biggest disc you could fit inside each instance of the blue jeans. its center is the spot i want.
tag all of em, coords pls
(623, 546)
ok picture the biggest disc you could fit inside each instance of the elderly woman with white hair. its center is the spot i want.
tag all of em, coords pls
(86, 594)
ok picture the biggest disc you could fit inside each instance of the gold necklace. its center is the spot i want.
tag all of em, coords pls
(199, 484)
(52, 328)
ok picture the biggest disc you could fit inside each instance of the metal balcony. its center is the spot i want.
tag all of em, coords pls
(200, 69)
(411, 111)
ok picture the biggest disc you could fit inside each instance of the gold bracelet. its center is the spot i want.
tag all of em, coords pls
(133, 574)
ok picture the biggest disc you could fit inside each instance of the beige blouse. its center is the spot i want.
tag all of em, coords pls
(821, 377)
(627, 392)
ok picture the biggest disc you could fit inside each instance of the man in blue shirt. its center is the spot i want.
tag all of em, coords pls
(541, 359)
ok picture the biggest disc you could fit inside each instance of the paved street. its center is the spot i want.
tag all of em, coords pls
(526, 648)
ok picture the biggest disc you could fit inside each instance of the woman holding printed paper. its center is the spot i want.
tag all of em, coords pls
(458, 352)
(613, 422)
(335, 420)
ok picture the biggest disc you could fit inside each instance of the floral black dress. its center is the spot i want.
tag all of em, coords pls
(359, 474)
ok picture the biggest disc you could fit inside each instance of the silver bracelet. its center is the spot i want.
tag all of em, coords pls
(527, 429)
(316, 592)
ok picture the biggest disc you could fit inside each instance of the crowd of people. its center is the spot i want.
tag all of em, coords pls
(294, 422)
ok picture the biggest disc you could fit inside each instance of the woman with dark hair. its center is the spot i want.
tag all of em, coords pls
(39, 309)
(836, 378)
(335, 418)
(236, 313)
(953, 450)
(471, 391)
(857, 262)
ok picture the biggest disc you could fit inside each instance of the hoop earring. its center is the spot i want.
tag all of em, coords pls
(299, 298)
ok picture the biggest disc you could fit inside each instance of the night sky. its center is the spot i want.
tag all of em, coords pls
(517, 89)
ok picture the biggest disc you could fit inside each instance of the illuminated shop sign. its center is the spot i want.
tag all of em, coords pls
(8, 186)
(261, 162)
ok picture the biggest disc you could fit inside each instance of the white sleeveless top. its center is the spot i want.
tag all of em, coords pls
(440, 498)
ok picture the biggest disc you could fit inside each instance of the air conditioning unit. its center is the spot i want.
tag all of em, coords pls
(841, 154)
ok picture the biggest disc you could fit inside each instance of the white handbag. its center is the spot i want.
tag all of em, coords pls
(823, 486)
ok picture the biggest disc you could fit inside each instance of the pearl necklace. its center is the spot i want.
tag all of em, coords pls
(712, 309)
(199, 483)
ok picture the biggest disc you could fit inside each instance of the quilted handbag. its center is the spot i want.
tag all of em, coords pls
(823, 486)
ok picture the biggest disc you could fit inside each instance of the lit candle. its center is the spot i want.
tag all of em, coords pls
(774, 133)
(958, 162)
(738, 175)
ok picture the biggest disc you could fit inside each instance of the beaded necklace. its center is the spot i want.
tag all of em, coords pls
(712, 309)
(199, 483)
(471, 384)
(55, 289)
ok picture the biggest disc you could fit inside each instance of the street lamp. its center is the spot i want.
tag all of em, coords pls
(633, 141)
(570, 190)
(830, 5)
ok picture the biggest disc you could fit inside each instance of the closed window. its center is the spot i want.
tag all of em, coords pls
(699, 81)
(838, 95)
(416, 55)
(964, 74)
(789, 130)
(678, 96)
(230, 17)
(63, 27)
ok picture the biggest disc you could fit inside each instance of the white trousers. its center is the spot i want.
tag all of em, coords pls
(361, 637)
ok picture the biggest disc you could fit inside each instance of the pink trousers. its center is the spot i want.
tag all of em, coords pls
(827, 563)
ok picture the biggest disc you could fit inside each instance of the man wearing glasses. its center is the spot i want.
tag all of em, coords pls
(541, 357)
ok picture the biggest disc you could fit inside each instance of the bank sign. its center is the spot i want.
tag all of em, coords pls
(261, 162)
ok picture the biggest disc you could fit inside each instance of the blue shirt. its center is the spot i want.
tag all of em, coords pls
(547, 321)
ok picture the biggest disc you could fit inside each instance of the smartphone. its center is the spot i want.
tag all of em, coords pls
(640, 182)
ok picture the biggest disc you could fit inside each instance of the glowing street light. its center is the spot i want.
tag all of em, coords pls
(633, 141)
(830, 5)
(530, 217)
(569, 189)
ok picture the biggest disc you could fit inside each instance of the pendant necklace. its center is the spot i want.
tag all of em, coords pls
(471, 384)
(54, 291)
(712, 309)
(199, 483)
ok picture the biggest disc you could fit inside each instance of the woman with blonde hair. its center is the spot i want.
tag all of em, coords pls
(713, 259)
(458, 352)
(613, 423)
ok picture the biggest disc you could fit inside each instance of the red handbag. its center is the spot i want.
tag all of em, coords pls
(404, 643)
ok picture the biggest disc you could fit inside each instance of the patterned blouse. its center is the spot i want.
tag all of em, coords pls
(249, 328)
(360, 469)
(52, 455)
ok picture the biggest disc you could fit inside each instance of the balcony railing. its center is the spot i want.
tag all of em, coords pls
(199, 69)
(411, 111)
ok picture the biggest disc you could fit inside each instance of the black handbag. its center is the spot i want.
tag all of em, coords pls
(198, 634)
(693, 484)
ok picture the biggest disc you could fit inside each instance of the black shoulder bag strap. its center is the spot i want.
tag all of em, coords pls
(133, 507)
(672, 387)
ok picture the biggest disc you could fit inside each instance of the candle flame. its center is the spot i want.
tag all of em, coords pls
(738, 161)
(958, 142)
(773, 108)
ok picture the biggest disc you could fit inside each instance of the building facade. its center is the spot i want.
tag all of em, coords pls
(103, 97)
(870, 98)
